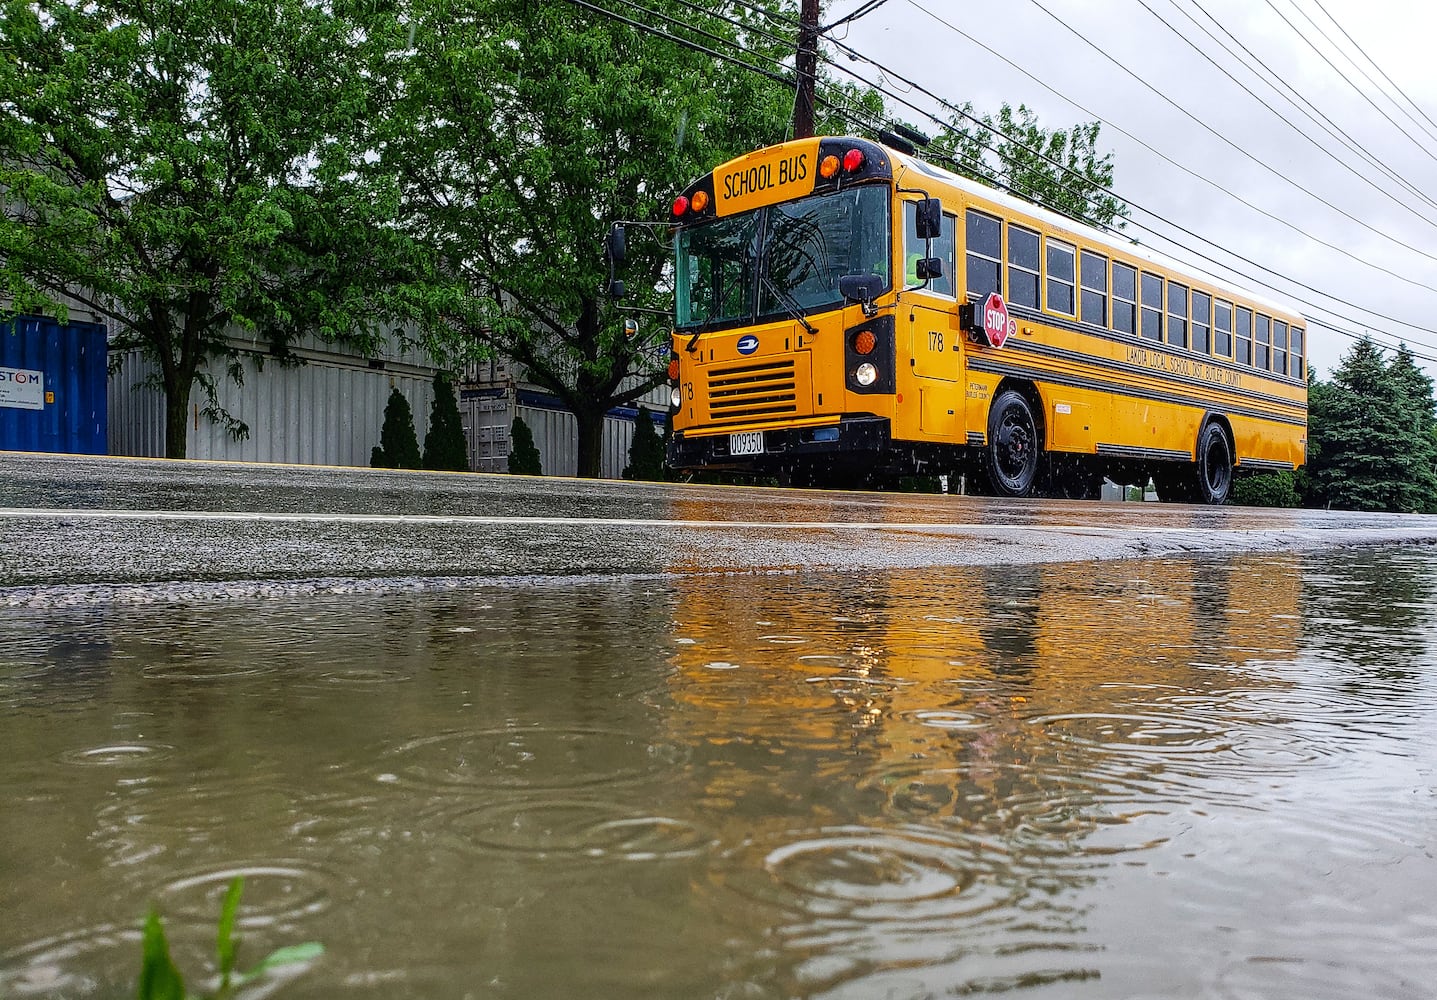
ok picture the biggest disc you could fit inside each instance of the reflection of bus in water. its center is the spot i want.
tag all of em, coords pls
(986, 696)
(846, 311)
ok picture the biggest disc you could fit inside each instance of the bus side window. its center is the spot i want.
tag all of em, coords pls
(1244, 336)
(1152, 312)
(1177, 314)
(984, 253)
(1297, 352)
(1279, 347)
(1202, 319)
(1261, 341)
(1094, 272)
(1222, 329)
(944, 248)
(1062, 281)
(1125, 298)
(1024, 249)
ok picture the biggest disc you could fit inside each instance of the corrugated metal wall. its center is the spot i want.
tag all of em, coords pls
(52, 386)
(488, 417)
(326, 412)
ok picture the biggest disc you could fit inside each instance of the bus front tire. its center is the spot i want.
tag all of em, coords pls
(1011, 459)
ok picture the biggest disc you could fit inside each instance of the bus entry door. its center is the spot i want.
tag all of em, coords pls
(935, 347)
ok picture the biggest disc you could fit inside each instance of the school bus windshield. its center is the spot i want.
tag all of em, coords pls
(807, 245)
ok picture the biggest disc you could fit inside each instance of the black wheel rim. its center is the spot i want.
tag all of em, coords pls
(1015, 452)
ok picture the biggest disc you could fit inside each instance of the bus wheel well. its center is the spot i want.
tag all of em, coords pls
(1029, 392)
(1226, 425)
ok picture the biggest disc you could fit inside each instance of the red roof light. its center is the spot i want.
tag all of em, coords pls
(852, 160)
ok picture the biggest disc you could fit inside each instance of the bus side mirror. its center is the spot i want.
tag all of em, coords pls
(929, 219)
(930, 267)
(614, 248)
(861, 288)
(616, 288)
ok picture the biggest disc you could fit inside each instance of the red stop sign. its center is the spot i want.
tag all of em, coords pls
(996, 324)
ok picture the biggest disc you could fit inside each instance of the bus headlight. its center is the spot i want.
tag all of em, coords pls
(675, 400)
(865, 374)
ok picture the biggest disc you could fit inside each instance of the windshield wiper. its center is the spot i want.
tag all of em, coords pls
(787, 303)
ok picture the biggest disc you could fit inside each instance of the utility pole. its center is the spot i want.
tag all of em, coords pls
(807, 67)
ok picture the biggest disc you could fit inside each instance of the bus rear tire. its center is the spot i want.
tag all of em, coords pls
(1213, 478)
(1015, 447)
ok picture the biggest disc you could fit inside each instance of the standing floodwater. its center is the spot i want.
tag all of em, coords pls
(1202, 777)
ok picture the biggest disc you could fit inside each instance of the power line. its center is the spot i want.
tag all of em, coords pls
(1176, 163)
(1373, 62)
(1345, 79)
(1306, 107)
(1235, 146)
(1184, 247)
(867, 8)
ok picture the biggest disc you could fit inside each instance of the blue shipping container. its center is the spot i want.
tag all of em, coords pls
(53, 386)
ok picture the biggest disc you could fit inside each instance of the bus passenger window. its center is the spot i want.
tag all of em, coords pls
(1177, 314)
(1095, 289)
(1222, 329)
(1279, 347)
(1152, 307)
(1061, 281)
(1244, 336)
(1024, 248)
(1125, 298)
(1261, 341)
(1297, 352)
(985, 248)
(1202, 320)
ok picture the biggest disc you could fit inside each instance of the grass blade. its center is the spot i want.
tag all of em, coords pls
(225, 944)
(290, 955)
(159, 979)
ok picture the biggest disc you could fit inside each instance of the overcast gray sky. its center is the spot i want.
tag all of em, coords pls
(1234, 149)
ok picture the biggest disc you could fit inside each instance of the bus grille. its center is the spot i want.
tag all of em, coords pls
(752, 391)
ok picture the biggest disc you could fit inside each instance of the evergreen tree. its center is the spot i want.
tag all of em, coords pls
(523, 456)
(646, 452)
(444, 446)
(1370, 434)
(1419, 490)
(398, 444)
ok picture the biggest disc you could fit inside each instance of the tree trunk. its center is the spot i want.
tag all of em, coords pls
(177, 418)
(591, 442)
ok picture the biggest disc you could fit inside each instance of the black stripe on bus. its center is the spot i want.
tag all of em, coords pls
(1077, 382)
(1117, 337)
(1128, 368)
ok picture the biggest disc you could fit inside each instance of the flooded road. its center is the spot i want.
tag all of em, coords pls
(1200, 773)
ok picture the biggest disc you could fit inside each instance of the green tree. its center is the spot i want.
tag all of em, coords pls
(398, 444)
(523, 455)
(444, 445)
(1370, 433)
(646, 451)
(185, 169)
(519, 131)
(1060, 169)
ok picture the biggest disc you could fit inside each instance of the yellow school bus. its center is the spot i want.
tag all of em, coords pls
(847, 313)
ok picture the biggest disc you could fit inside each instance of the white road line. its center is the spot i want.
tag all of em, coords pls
(52, 513)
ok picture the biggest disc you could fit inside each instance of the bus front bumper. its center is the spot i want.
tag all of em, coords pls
(860, 440)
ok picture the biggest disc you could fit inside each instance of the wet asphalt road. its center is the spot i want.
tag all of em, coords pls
(77, 528)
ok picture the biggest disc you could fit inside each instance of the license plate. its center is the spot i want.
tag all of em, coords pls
(746, 443)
